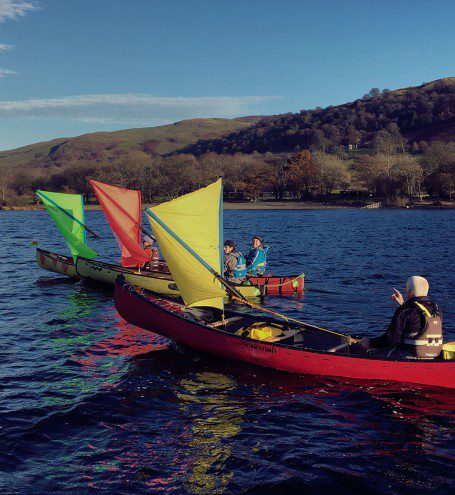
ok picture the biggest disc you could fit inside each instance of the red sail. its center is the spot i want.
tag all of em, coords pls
(122, 208)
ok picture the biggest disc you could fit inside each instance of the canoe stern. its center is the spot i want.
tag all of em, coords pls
(53, 262)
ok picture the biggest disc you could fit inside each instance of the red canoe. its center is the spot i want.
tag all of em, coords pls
(301, 348)
(279, 286)
(273, 285)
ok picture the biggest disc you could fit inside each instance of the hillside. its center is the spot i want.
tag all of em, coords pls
(102, 146)
(421, 114)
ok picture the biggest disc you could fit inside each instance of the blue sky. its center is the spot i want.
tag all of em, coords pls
(73, 66)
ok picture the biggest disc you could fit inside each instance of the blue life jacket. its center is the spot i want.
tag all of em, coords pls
(240, 269)
(256, 260)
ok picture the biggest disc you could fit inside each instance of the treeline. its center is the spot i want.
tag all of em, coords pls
(390, 173)
(415, 112)
(395, 175)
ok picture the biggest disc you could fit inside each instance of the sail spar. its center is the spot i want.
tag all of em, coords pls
(67, 212)
(122, 208)
(189, 231)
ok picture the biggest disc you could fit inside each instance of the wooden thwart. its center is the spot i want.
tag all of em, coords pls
(227, 321)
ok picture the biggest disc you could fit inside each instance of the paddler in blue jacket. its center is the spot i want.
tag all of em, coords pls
(256, 259)
(234, 264)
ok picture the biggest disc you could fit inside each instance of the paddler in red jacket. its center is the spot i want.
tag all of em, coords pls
(416, 327)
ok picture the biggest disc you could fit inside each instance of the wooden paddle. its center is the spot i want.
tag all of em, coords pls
(287, 318)
(350, 341)
(235, 294)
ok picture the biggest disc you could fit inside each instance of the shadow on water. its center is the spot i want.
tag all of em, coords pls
(49, 282)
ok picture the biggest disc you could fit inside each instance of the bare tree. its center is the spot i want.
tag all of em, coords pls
(151, 183)
(180, 174)
(386, 143)
(277, 171)
(20, 183)
(332, 172)
(409, 170)
(5, 184)
(303, 173)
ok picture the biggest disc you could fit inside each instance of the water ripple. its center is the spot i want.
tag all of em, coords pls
(90, 404)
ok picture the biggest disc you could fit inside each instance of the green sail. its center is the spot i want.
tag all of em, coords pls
(67, 212)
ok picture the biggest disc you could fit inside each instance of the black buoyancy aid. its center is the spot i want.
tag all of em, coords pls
(426, 343)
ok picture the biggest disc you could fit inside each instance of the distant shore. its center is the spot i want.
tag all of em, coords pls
(297, 205)
(269, 205)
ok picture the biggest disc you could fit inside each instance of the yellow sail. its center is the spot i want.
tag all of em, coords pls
(189, 231)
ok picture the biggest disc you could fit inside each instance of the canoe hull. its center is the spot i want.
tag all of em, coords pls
(157, 281)
(270, 285)
(144, 312)
(106, 273)
(57, 263)
(279, 286)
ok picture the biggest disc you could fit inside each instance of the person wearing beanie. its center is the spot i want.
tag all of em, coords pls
(416, 327)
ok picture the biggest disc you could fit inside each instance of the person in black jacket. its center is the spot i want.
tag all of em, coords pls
(415, 329)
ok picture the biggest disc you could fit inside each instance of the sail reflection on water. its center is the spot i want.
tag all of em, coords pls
(215, 418)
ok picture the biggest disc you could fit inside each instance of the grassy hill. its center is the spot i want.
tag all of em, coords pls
(419, 113)
(106, 145)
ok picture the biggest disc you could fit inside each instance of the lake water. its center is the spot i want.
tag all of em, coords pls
(90, 404)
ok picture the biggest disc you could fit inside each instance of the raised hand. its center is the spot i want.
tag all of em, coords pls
(397, 296)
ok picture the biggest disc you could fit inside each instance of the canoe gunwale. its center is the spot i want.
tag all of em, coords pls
(269, 284)
(125, 270)
(227, 313)
(59, 257)
(268, 319)
(149, 279)
(56, 263)
(140, 310)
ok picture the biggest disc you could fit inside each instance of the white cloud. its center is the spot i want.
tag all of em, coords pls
(6, 72)
(12, 9)
(134, 109)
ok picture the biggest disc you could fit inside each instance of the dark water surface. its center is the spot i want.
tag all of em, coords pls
(90, 404)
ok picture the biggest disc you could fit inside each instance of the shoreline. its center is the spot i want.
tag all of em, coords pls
(269, 205)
